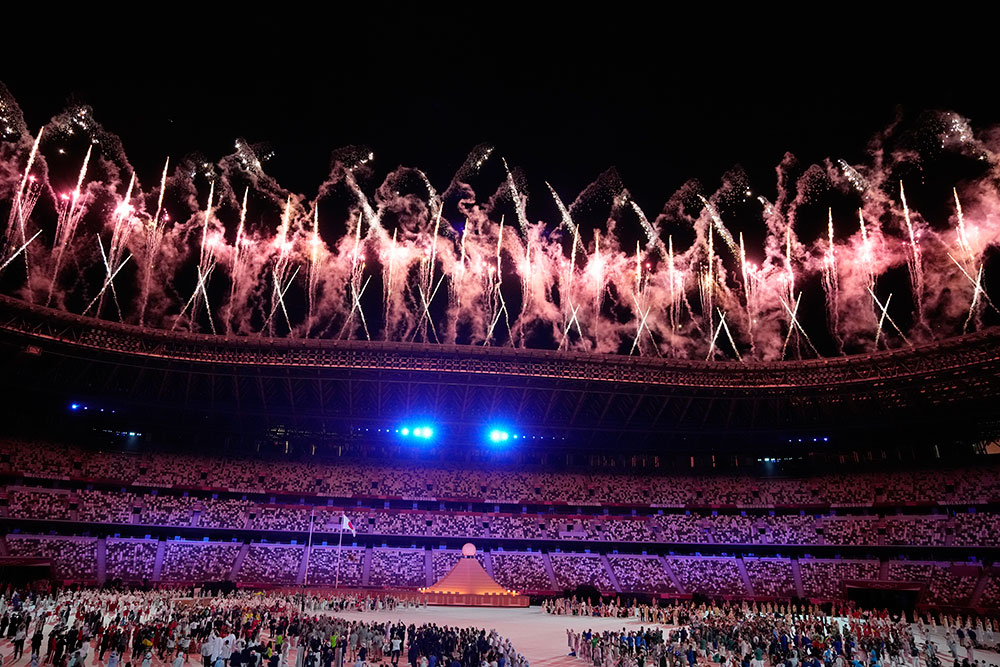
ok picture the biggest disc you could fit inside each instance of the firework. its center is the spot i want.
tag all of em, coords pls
(154, 236)
(20, 210)
(539, 282)
(70, 212)
(914, 260)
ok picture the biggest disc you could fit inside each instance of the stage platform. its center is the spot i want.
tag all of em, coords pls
(472, 600)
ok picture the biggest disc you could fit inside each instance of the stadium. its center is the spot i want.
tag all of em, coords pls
(441, 432)
(637, 479)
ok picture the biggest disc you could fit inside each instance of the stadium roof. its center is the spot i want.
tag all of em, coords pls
(607, 399)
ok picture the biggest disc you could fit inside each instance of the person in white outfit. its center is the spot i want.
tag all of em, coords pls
(208, 650)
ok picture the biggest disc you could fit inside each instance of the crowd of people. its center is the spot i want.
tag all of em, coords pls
(819, 527)
(572, 570)
(225, 503)
(752, 635)
(243, 629)
(520, 571)
(133, 560)
(953, 487)
(254, 629)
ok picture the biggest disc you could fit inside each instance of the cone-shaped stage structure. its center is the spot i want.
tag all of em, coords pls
(468, 578)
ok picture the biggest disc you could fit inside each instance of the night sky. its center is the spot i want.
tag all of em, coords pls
(663, 98)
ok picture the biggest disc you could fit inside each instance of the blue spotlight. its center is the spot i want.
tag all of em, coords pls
(498, 435)
(74, 406)
(423, 432)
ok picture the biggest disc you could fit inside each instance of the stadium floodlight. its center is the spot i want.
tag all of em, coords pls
(499, 435)
(423, 432)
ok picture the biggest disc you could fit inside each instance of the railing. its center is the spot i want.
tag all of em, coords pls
(45, 326)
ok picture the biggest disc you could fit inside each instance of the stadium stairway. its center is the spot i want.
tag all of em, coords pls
(239, 561)
(977, 592)
(366, 570)
(488, 564)
(300, 577)
(549, 571)
(673, 577)
(101, 554)
(611, 573)
(746, 577)
(161, 549)
(429, 568)
(797, 576)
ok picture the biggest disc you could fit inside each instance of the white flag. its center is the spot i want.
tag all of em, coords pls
(345, 524)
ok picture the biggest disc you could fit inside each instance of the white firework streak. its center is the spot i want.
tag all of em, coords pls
(793, 314)
(119, 237)
(567, 219)
(313, 278)
(106, 283)
(154, 234)
(24, 202)
(239, 256)
(856, 180)
(356, 297)
(831, 279)
(642, 326)
(109, 281)
(915, 262)
(723, 326)
(963, 239)
(19, 250)
(426, 315)
(711, 346)
(651, 235)
(881, 321)
(522, 217)
(985, 296)
(722, 317)
(496, 296)
(69, 216)
(280, 302)
(388, 280)
(885, 311)
(572, 320)
(720, 227)
(975, 299)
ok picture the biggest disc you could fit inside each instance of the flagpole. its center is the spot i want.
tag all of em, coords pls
(340, 548)
(312, 522)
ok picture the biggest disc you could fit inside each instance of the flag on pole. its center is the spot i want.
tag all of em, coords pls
(345, 524)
